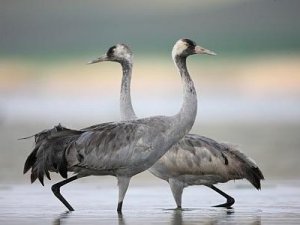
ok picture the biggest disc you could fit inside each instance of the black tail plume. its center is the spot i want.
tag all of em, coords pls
(49, 153)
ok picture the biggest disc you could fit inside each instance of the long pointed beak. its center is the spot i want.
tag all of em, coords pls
(100, 59)
(201, 50)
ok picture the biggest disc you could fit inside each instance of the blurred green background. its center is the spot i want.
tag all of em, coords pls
(40, 28)
(248, 94)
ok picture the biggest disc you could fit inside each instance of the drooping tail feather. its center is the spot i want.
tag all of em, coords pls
(257, 177)
(49, 153)
(250, 170)
(30, 160)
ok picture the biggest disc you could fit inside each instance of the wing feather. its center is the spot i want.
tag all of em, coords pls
(111, 147)
(202, 156)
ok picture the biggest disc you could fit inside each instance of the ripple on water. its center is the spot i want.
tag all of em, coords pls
(32, 204)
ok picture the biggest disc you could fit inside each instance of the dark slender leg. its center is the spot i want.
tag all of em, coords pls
(56, 191)
(119, 209)
(230, 200)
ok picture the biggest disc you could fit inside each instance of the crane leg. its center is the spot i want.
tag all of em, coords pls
(230, 200)
(177, 189)
(56, 191)
(123, 183)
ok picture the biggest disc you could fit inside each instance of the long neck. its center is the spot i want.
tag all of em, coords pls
(126, 109)
(185, 118)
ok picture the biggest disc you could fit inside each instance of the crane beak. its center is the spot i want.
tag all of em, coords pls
(201, 50)
(100, 59)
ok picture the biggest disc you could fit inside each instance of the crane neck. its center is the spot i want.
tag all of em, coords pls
(126, 108)
(183, 121)
(185, 118)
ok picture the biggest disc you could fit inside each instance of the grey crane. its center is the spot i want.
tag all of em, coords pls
(194, 160)
(121, 149)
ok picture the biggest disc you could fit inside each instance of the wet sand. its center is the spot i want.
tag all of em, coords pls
(95, 203)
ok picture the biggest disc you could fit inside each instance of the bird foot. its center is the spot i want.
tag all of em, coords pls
(178, 208)
(228, 204)
(225, 205)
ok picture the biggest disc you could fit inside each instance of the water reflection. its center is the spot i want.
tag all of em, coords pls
(60, 220)
(275, 204)
(121, 219)
(213, 217)
(177, 217)
(203, 216)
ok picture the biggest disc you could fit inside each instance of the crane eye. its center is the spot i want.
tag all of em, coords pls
(189, 42)
(110, 51)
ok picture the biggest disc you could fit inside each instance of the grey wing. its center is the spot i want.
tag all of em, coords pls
(101, 126)
(199, 155)
(193, 155)
(110, 147)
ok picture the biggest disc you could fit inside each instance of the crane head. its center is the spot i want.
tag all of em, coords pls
(185, 47)
(117, 53)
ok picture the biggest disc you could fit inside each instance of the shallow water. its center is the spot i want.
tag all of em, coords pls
(277, 203)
